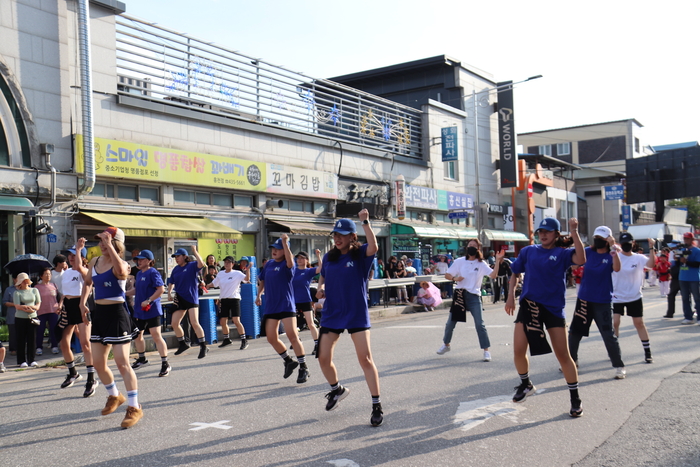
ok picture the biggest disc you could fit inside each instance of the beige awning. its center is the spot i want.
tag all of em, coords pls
(135, 225)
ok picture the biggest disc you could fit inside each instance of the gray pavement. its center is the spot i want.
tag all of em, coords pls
(440, 410)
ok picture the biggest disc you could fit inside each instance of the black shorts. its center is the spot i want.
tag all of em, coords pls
(230, 307)
(306, 306)
(112, 324)
(548, 319)
(325, 330)
(635, 309)
(282, 315)
(149, 323)
(182, 304)
(73, 313)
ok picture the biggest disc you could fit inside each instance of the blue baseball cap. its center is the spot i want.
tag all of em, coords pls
(344, 226)
(83, 252)
(178, 252)
(145, 254)
(278, 244)
(550, 224)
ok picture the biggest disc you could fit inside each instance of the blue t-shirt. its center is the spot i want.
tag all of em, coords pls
(688, 274)
(279, 291)
(596, 283)
(545, 275)
(147, 283)
(302, 279)
(346, 290)
(185, 280)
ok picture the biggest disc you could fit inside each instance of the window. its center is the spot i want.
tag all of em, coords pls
(98, 190)
(320, 208)
(127, 192)
(182, 196)
(571, 212)
(451, 170)
(148, 194)
(491, 222)
(636, 144)
(563, 149)
(218, 199)
(202, 198)
(545, 150)
(240, 201)
(550, 202)
(296, 206)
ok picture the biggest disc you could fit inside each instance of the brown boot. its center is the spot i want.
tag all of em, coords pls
(112, 403)
(133, 415)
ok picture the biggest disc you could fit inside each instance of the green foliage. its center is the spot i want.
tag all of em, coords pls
(693, 205)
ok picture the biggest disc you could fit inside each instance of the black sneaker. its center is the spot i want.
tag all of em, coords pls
(182, 346)
(522, 391)
(576, 408)
(70, 380)
(90, 387)
(648, 358)
(165, 369)
(244, 344)
(377, 415)
(225, 342)
(139, 363)
(336, 396)
(289, 368)
(303, 375)
(203, 351)
(667, 315)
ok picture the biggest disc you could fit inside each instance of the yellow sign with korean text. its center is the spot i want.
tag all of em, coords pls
(142, 162)
(221, 248)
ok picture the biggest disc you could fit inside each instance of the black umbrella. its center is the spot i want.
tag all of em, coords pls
(31, 264)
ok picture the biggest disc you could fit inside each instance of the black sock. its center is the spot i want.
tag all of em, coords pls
(525, 379)
(91, 373)
(376, 400)
(142, 355)
(71, 368)
(573, 390)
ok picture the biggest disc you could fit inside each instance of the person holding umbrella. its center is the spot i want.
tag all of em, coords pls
(112, 327)
(27, 301)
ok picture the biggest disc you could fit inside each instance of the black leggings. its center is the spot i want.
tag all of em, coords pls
(26, 340)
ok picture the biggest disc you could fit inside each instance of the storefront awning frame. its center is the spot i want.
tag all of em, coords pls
(139, 225)
(15, 204)
(433, 231)
(505, 236)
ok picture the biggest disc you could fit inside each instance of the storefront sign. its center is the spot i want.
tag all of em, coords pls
(403, 245)
(353, 192)
(459, 201)
(614, 192)
(421, 197)
(221, 248)
(449, 144)
(401, 197)
(497, 209)
(288, 180)
(626, 216)
(506, 136)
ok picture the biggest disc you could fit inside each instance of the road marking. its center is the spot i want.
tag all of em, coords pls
(220, 425)
(474, 413)
(344, 463)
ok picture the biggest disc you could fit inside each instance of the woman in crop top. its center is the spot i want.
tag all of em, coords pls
(112, 327)
(73, 281)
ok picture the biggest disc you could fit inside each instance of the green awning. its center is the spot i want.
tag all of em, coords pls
(505, 236)
(135, 225)
(432, 231)
(15, 203)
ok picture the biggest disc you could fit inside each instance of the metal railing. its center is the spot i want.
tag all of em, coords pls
(160, 64)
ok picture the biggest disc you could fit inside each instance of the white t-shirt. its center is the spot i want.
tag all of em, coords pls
(627, 284)
(441, 268)
(229, 283)
(57, 279)
(72, 283)
(472, 272)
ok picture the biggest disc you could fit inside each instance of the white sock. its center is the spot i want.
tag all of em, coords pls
(112, 389)
(133, 397)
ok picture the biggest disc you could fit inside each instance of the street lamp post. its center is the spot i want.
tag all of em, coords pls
(477, 186)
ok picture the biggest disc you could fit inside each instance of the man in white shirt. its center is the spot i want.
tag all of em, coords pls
(60, 263)
(229, 283)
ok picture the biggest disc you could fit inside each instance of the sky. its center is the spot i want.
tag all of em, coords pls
(600, 60)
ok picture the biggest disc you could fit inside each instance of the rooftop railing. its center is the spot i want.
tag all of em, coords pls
(160, 64)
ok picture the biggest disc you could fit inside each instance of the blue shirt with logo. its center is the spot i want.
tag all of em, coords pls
(279, 291)
(596, 283)
(147, 283)
(545, 275)
(302, 279)
(185, 280)
(346, 290)
(687, 273)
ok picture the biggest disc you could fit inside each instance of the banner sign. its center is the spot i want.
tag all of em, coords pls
(459, 201)
(626, 217)
(400, 198)
(614, 192)
(506, 136)
(449, 143)
(421, 197)
(288, 180)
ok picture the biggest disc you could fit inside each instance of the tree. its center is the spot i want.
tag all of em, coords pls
(693, 205)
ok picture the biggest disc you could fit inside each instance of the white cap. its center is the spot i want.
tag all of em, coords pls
(602, 231)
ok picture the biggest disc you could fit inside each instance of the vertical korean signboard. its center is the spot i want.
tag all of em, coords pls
(506, 136)
(449, 144)
(400, 197)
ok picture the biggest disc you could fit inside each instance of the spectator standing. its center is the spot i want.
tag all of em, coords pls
(663, 272)
(9, 305)
(27, 301)
(51, 303)
(675, 286)
(689, 277)
(60, 263)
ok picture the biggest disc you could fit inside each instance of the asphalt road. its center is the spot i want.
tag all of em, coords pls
(234, 407)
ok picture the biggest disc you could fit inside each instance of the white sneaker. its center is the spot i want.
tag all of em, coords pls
(688, 321)
(620, 372)
(34, 364)
(443, 349)
(487, 356)
(24, 365)
(54, 350)
(39, 351)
